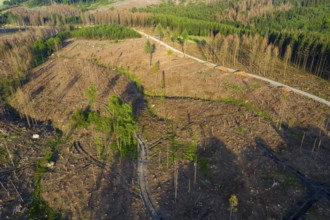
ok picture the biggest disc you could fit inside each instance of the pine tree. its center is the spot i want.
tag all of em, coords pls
(184, 36)
(160, 31)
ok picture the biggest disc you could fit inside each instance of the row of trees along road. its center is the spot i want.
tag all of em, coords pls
(309, 50)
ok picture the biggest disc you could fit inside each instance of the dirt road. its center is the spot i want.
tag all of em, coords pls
(271, 82)
(143, 178)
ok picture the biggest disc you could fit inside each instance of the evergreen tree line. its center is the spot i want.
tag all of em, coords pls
(309, 51)
(302, 19)
(105, 32)
(303, 32)
(174, 23)
(233, 12)
(199, 11)
(289, 30)
(3, 19)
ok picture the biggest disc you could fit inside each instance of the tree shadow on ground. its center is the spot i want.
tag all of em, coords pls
(18, 168)
(134, 95)
(11, 115)
(218, 177)
(67, 43)
(304, 158)
(264, 186)
(116, 194)
(111, 85)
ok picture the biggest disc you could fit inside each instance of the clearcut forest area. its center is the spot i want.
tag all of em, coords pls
(165, 109)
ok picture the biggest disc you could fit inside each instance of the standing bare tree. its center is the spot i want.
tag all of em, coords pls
(149, 48)
(268, 58)
(236, 44)
(224, 51)
(275, 54)
(287, 57)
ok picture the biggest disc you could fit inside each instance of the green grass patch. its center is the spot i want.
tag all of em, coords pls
(103, 149)
(80, 118)
(239, 130)
(188, 151)
(247, 105)
(231, 100)
(89, 5)
(255, 86)
(233, 87)
(130, 76)
(39, 208)
(4, 157)
(182, 150)
(290, 181)
(283, 178)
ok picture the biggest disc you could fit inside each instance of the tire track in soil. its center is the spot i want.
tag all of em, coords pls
(142, 174)
(77, 145)
(316, 191)
(143, 179)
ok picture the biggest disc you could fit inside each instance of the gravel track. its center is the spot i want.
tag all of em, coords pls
(271, 82)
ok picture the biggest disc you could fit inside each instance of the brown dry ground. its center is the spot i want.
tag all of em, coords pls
(134, 3)
(78, 185)
(198, 110)
(227, 136)
(19, 154)
(126, 4)
(293, 76)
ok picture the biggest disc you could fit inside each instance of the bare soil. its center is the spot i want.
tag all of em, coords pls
(294, 77)
(226, 116)
(81, 185)
(19, 153)
(227, 137)
(134, 3)
(128, 4)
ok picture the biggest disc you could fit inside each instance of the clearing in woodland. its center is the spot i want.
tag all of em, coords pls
(211, 136)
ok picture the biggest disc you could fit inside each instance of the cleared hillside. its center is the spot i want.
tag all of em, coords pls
(207, 133)
(101, 122)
